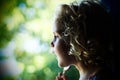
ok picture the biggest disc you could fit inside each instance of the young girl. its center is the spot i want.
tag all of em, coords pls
(82, 37)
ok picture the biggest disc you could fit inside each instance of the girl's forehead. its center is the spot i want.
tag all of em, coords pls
(57, 27)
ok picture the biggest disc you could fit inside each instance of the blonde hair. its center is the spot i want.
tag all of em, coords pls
(75, 21)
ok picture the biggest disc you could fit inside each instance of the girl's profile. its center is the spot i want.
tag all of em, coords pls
(83, 38)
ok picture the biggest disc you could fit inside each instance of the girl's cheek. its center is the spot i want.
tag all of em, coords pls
(57, 46)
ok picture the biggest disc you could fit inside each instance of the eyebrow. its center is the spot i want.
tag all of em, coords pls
(55, 33)
(59, 32)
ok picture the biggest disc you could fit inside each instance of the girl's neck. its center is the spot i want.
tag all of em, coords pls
(86, 72)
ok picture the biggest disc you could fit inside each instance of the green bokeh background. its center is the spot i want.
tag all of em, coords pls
(25, 36)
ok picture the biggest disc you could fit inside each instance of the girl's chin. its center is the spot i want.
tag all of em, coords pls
(61, 64)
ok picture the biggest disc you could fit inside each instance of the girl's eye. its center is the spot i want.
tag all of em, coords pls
(55, 37)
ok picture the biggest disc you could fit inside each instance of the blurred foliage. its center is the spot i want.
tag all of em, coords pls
(73, 73)
(6, 8)
(25, 35)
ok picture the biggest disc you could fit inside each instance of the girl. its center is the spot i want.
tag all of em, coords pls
(82, 37)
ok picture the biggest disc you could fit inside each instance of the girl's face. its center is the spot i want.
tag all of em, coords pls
(60, 48)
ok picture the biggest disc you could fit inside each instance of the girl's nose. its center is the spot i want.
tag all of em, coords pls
(52, 44)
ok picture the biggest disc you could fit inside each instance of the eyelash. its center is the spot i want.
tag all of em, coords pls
(55, 37)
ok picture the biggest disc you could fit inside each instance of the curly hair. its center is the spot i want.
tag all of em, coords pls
(86, 29)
